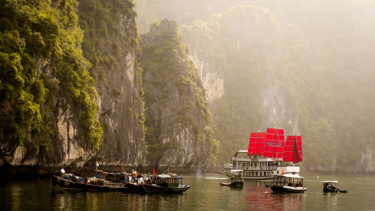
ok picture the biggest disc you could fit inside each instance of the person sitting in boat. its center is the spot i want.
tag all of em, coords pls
(62, 173)
(142, 180)
(300, 183)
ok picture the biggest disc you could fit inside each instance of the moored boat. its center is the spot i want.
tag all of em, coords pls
(165, 183)
(288, 183)
(72, 181)
(332, 186)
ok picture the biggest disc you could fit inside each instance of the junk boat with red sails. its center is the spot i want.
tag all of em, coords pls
(268, 156)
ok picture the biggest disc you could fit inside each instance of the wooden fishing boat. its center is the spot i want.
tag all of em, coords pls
(72, 181)
(332, 186)
(165, 183)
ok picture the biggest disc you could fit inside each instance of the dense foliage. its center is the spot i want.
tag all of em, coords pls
(43, 72)
(166, 66)
(101, 22)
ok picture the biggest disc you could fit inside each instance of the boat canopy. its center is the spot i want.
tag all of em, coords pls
(291, 176)
(111, 173)
(331, 181)
(293, 149)
(167, 176)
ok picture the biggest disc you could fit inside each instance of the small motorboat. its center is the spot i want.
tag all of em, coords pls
(287, 183)
(165, 183)
(332, 186)
(236, 179)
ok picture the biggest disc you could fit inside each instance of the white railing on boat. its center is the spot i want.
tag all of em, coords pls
(257, 159)
(263, 168)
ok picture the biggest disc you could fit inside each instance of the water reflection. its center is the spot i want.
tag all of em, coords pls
(261, 198)
(332, 199)
(67, 199)
(205, 194)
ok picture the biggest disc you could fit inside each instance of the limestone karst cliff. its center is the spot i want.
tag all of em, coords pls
(48, 97)
(177, 117)
(110, 45)
(82, 83)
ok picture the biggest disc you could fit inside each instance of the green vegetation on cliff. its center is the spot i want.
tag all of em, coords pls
(101, 22)
(110, 33)
(43, 72)
(167, 68)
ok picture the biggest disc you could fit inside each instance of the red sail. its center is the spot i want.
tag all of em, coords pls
(274, 143)
(256, 144)
(298, 155)
(293, 149)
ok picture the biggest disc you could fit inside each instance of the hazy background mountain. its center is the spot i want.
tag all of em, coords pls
(305, 66)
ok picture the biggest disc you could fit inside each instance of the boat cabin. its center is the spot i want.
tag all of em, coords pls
(330, 186)
(236, 173)
(166, 181)
(292, 180)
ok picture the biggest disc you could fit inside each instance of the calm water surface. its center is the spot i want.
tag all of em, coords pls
(205, 194)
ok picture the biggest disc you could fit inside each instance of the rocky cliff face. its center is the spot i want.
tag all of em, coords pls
(109, 44)
(118, 80)
(177, 119)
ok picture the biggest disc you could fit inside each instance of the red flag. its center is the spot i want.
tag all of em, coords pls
(122, 167)
(153, 170)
